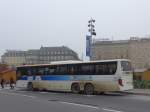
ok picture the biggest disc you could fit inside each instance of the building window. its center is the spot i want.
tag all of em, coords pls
(51, 58)
(59, 57)
(66, 57)
(121, 56)
(66, 52)
(71, 57)
(62, 58)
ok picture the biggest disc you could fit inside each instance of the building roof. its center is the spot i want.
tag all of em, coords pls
(14, 53)
(59, 48)
(37, 51)
(112, 42)
(4, 69)
(33, 52)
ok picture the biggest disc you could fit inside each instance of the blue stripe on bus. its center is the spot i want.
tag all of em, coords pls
(55, 77)
(58, 77)
(23, 78)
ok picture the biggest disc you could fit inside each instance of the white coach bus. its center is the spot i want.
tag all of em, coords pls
(77, 76)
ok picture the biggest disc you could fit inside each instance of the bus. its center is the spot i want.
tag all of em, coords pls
(77, 76)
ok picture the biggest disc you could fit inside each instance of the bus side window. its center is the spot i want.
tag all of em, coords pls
(46, 71)
(52, 70)
(84, 69)
(73, 70)
(18, 74)
(23, 71)
(40, 71)
(99, 69)
(29, 73)
(102, 69)
(62, 70)
(56, 72)
(34, 71)
(112, 68)
(87, 69)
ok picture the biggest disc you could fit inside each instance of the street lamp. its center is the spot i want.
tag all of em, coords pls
(91, 29)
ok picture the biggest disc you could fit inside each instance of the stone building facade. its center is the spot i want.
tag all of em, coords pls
(48, 54)
(13, 57)
(135, 49)
(43, 55)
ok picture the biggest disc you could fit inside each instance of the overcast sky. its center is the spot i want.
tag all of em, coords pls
(28, 24)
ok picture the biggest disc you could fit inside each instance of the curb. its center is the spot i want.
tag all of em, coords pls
(136, 93)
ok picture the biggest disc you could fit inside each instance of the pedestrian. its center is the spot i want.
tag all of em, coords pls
(11, 83)
(2, 83)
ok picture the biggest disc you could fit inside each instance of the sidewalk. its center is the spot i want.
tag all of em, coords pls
(7, 87)
(139, 92)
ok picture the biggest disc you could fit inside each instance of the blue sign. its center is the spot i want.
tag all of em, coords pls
(88, 45)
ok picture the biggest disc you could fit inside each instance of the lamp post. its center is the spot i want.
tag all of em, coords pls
(91, 27)
(91, 30)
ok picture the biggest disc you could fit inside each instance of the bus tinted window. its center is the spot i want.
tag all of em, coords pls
(18, 74)
(61, 70)
(126, 66)
(23, 71)
(39, 71)
(97, 68)
(106, 68)
(52, 70)
(87, 69)
(74, 69)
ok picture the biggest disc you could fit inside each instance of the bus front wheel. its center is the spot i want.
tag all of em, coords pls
(89, 89)
(75, 88)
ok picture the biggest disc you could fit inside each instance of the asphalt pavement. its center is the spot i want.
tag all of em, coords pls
(26, 101)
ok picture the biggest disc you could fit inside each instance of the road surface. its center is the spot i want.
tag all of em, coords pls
(26, 101)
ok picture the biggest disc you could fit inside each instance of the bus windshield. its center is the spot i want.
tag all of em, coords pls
(126, 66)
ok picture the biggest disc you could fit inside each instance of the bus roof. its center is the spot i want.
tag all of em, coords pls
(72, 62)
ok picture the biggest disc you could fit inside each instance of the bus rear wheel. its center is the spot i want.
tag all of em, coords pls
(30, 86)
(75, 88)
(89, 89)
